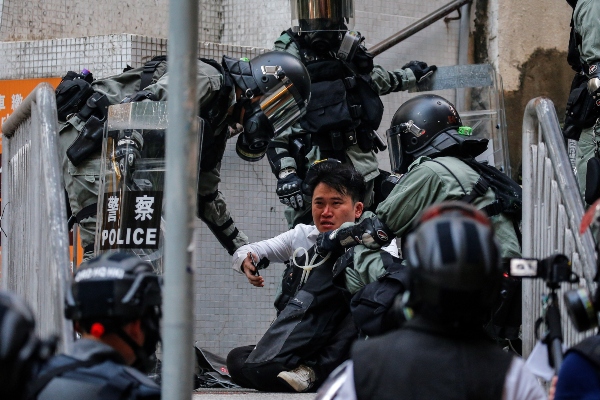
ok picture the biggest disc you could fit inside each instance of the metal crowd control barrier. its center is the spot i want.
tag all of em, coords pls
(35, 250)
(552, 212)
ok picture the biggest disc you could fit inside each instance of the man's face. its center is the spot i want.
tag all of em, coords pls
(330, 208)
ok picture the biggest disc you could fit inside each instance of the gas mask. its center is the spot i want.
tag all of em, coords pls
(324, 42)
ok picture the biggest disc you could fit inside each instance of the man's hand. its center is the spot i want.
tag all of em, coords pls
(289, 190)
(251, 272)
(420, 69)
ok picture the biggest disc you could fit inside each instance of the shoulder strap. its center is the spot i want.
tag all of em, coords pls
(149, 69)
(41, 381)
(299, 42)
(451, 173)
(213, 112)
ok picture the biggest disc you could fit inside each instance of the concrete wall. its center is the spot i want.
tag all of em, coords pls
(527, 42)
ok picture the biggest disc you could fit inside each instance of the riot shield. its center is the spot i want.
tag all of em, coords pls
(476, 91)
(131, 214)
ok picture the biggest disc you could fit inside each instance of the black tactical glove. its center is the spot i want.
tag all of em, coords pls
(289, 190)
(363, 60)
(420, 69)
(128, 150)
(370, 232)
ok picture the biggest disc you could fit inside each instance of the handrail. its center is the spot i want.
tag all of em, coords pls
(416, 27)
(552, 212)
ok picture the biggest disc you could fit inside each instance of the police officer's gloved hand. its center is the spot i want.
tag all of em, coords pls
(363, 60)
(370, 232)
(593, 84)
(128, 149)
(289, 189)
(420, 69)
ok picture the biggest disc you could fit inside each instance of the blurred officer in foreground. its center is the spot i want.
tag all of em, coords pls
(21, 353)
(443, 351)
(115, 304)
(345, 109)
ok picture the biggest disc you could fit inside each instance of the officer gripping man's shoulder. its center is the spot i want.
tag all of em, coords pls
(435, 154)
(345, 109)
(230, 95)
(115, 304)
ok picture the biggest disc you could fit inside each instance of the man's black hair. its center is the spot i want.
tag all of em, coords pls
(343, 178)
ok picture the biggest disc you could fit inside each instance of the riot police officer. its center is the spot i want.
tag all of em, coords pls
(345, 109)
(21, 352)
(442, 351)
(115, 304)
(583, 108)
(432, 155)
(260, 97)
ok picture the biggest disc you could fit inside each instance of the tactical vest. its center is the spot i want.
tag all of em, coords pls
(311, 315)
(66, 378)
(342, 102)
(417, 362)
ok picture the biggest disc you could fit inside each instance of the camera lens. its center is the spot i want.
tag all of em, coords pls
(581, 309)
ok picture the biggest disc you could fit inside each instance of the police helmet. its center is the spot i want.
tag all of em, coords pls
(112, 290)
(19, 346)
(455, 263)
(429, 125)
(283, 83)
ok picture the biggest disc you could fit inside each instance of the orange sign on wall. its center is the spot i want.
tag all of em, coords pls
(12, 94)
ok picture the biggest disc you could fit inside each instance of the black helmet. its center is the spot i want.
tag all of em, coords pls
(20, 348)
(429, 125)
(113, 289)
(284, 84)
(455, 263)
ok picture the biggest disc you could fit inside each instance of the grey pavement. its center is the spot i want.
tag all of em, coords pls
(247, 394)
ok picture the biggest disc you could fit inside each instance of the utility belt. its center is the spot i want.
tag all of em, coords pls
(334, 143)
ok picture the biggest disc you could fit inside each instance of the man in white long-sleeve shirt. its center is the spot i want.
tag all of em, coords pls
(314, 329)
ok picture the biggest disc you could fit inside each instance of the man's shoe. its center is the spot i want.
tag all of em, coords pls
(301, 378)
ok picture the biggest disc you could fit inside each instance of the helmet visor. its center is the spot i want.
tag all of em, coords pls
(282, 105)
(397, 158)
(322, 15)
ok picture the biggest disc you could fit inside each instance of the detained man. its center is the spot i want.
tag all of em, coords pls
(313, 330)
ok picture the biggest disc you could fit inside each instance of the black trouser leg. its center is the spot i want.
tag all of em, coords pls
(264, 377)
(336, 351)
(235, 361)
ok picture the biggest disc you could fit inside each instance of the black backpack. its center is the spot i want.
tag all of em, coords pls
(509, 195)
(373, 306)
